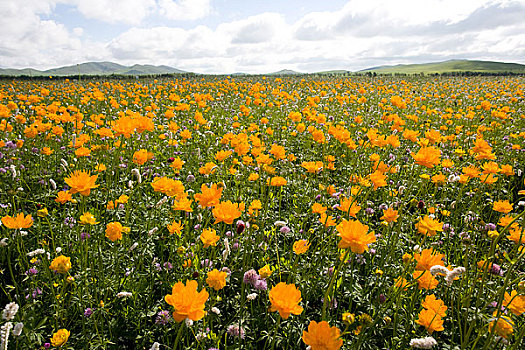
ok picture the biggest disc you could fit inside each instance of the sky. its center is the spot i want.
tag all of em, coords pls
(259, 36)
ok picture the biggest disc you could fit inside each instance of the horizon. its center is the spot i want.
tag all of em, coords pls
(259, 37)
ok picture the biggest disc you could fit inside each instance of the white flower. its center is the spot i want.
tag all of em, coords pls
(423, 343)
(434, 270)
(279, 223)
(251, 296)
(215, 310)
(188, 322)
(155, 346)
(4, 335)
(18, 329)
(124, 294)
(53, 184)
(36, 252)
(226, 250)
(135, 245)
(136, 173)
(152, 231)
(10, 311)
(452, 275)
(64, 163)
(3, 242)
(58, 249)
(130, 184)
(13, 170)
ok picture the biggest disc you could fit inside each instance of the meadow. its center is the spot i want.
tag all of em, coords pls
(263, 213)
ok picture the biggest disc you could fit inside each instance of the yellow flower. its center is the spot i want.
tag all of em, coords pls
(427, 156)
(88, 219)
(42, 213)
(187, 302)
(354, 235)
(63, 197)
(285, 299)
(167, 186)
(216, 279)
(17, 222)
(60, 337)
(428, 226)
(503, 326)
(210, 196)
(81, 182)
(209, 237)
(265, 271)
(301, 246)
(502, 207)
(227, 212)
(61, 264)
(175, 227)
(277, 181)
(321, 336)
(114, 230)
(390, 215)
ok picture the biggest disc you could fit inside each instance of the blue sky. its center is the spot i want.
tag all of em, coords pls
(260, 36)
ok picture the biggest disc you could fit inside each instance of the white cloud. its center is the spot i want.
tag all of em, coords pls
(116, 11)
(184, 9)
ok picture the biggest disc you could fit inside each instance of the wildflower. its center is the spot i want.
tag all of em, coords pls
(427, 156)
(301, 246)
(502, 207)
(265, 271)
(423, 343)
(428, 226)
(516, 235)
(454, 274)
(167, 186)
(251, 277)
(210, 196)
(4, 335)
(124, 294)
(323, 337)
(390, 215)
(17, 330)
(187, 301)
(227, 212)
(142, 156)
(209, 237)
(350, 206)
(114, 231)
(235, 331)
(63, 197)
(61, 264)
(60, 337)
(277, 181)
(354, 236)
(514, 302)
(401, 283)
(436, 305)
(216, 279)
(285, 299)
(88, 219)
(428, 258)
(425, 280)
(251, 296)
(348, 318)
(81, 182)
(318, 208)
(175, 227)
(10, 311)
(163, 317)
(378, 179)
(17, 222)
(503, 326)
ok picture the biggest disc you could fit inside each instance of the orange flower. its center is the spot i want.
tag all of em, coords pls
(141, 156)
(301, 246)
(323, 337)
(427, 156)
(60, 337)
(175, 227)
(210, 196)
(278, 181)
(63, 197)
(428, 258)
(378, 179)
(401, 283)
(170, 187)
(187, 302)
(19, 221)
(516, 235)
(350, 206)
(285, 299)
(514, 302)
(114, 230)
(61, 264)
(183, 204)
(502, 207)
(177, 164)
(503, 326)
(327, 221)
(222, 155)
(390, 215)
(209, 237)
(354, 236)
(227, 212)
(436, 305)
(430, 320)
(312, 167)
(208, 168)
(216, 279)
(428, 226)
(318, 208)
(425, 280)
(81, 182)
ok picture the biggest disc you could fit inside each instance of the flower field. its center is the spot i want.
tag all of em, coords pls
(263, 213)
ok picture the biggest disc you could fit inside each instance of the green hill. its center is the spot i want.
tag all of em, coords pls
(94, 68)
(450, 66)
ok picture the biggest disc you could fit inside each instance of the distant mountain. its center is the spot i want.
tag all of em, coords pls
(94, 68)
(450, 66)
(285, 72)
